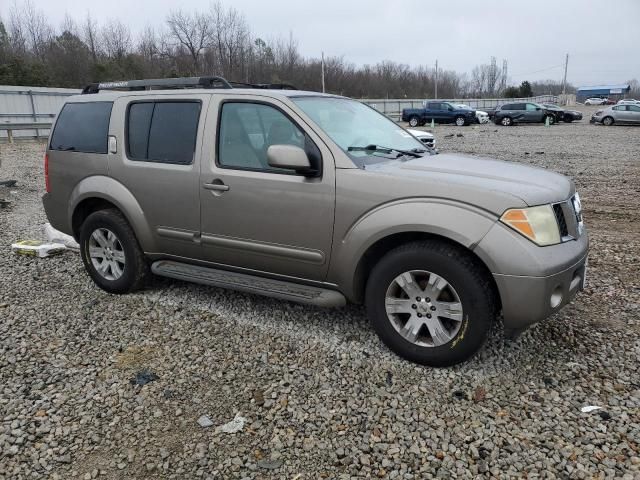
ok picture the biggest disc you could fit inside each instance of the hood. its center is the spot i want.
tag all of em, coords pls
(492, 184)
(420, 133)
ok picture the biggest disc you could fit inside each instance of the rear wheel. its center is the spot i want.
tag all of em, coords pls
(506, 121)
(460, 121)
(430, 303)
(608, 121)
(111, 254)
(414, 121)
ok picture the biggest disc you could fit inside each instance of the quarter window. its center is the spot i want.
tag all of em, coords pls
(247, 130)
(163, 132)
(82, 127)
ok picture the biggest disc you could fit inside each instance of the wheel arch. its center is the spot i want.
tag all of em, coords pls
(379, 232)
(99, 193)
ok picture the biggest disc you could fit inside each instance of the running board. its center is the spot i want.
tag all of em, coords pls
(268, 287)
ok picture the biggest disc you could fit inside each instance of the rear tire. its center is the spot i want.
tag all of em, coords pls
(608, 121)
(111, 253)
(414, 122)
(468, 295)
(460, 121)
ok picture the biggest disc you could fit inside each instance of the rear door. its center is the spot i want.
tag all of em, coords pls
(157, 160)
(254, 216)
(633, 112)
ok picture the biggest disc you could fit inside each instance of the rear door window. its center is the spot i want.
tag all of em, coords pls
(82, 127)
(163, 132)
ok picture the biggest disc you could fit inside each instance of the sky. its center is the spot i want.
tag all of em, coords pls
(602, 37)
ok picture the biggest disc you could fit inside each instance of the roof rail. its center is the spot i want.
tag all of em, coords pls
(177, 83)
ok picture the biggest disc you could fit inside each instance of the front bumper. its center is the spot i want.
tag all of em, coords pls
(533, 282)
(528, 300)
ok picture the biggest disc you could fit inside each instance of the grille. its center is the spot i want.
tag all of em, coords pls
(562, 222)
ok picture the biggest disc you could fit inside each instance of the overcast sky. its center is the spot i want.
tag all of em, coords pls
(602, 38)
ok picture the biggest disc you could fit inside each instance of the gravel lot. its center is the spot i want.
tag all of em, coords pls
(321, 396)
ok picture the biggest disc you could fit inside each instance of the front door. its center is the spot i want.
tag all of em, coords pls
(254, 216)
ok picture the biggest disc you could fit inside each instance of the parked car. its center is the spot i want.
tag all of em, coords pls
(564, 115)
(425, 137)
(512, 113)
(628, 101)
(311, 198)
(595, 101)
(618, 114)
(439, 112)
(481, 117)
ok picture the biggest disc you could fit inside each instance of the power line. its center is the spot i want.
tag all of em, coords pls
(538, 71)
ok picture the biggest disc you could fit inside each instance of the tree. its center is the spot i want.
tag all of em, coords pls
(192, 32)
(525, 89)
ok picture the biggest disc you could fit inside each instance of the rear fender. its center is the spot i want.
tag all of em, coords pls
(114, 192)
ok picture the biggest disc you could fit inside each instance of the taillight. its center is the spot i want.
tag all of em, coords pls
(46, 173)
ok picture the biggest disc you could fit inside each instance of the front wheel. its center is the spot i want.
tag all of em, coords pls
(110, 252)
(430, 303)
(608, 121)
(460, 121)
(506, 121)
(551, 118)
(414, 121)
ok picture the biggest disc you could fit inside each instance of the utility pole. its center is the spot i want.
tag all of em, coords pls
(322, 72)
(436, 93)
(564, 81)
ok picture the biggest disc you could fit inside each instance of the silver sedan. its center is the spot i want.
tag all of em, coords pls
(618, 114)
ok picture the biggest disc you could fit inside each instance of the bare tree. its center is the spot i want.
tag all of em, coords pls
(38, 31)
(90, 34)
(116, 39)
(192, 32)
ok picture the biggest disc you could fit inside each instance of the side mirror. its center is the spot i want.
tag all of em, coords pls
(538, 108)
(289, 157)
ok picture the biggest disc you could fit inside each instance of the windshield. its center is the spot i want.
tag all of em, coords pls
(352, 124)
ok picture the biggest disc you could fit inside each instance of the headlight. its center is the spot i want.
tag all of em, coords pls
(538, 224)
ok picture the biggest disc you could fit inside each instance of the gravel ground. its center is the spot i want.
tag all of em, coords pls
(321, 396)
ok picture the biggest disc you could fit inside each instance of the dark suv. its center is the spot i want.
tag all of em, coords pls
(525, 112)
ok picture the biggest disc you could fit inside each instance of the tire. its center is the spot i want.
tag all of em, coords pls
(467, 286)
(608, 121)
(414, 121)
(552, 119)
(506, 121)
(460, 121)
(108, 233)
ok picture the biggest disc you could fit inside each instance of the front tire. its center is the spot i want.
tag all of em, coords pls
(431, 303)
(414, 122)
(607, 121)
(506, 121)
(111, 254)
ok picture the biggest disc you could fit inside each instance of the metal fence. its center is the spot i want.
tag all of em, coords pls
(21, 105)
(393, 107)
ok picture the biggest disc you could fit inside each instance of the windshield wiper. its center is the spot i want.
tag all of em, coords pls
(65, 148)
(377, 148)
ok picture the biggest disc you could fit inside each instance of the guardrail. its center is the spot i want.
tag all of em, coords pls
(37, 126)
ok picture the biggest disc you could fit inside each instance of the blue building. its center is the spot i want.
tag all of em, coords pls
(603, 91)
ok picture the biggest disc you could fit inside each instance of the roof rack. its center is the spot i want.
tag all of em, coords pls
(178, 83)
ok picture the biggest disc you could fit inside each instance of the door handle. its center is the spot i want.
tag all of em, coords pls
(217, 187)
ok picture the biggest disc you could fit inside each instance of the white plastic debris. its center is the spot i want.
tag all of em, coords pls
(36, 248)
(57, 236)
(234, 425)
(204, 421)
(589, 408)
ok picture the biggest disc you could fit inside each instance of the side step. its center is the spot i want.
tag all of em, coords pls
(268, 287)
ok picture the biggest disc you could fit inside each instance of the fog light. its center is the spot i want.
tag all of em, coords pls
(556, 297)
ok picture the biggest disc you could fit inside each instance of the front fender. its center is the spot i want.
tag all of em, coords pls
(106, 188)
(461, 223)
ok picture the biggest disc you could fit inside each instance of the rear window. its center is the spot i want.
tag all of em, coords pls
(163, 132)
(82, 127)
